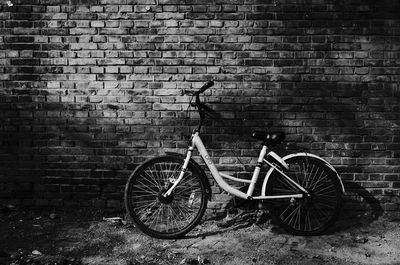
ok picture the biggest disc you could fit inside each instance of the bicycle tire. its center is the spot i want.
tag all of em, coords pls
(170, 217)
(307, 216)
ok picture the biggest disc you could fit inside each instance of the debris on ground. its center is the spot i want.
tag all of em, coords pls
(114, 220)
(118, 221)
(133, 261)
(53, 216)
(7, 208)
(23, 259)
(88, 238)
(360, 239)
(193, 261)
(36, 252)
(243, 218)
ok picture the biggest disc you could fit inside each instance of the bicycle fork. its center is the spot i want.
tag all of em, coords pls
(182, 173)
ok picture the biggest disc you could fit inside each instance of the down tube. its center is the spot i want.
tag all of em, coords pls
(221, 182)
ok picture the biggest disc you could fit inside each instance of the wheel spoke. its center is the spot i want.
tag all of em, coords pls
(151, 178)
(286, 183)
(308, 176)
(307, 225)
(320, 181)
(143, 201)
(291, 215)
(187, 189)
(145, 208)
(311, 181)
(146, 190)
(324, 189)
(185, 213)
(158, 174)
(154, 217)
(173, 213)
(163, 174)
(142, 196)
(147, 187)
(330, 206)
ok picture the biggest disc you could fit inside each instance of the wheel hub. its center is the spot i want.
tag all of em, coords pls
(308, 199)
(163, 199)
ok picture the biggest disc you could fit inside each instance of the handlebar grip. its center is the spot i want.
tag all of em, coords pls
(206, 86)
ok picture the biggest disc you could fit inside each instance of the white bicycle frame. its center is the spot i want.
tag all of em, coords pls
(219, 177)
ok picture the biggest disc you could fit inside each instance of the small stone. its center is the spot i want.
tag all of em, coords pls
(113, 220)
(133, 262)
(36, 252)
(360, 239)
(190, 261)
(8, 208)
(367, 254)
(332, 249)
(53, 216)
(70, 260)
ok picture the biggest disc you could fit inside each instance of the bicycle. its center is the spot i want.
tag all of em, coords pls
(167, 196)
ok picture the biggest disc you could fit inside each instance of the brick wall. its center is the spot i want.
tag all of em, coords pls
(90, 88)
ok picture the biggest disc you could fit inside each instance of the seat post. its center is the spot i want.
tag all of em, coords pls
(263, 152)
(254, 178)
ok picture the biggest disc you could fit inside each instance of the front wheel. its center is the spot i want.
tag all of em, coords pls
(315, 213)
(171, 216)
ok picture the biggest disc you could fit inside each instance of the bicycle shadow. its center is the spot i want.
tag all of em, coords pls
(217, 232)
(360, 207)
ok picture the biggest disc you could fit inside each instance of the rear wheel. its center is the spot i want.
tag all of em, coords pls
(315, 213)
(165, 217)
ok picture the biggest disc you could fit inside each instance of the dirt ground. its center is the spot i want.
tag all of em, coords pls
(84, 237)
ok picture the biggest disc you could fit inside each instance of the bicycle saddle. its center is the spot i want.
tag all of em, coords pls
(270, 139)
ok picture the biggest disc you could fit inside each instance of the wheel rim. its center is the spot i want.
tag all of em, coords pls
(171, 214)
(316, 210)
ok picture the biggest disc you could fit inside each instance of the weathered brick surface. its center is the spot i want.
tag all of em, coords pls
(90, 88)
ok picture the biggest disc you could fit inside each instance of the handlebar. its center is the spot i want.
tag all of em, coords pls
(201, 107)
(204, 87)
(198, 92)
